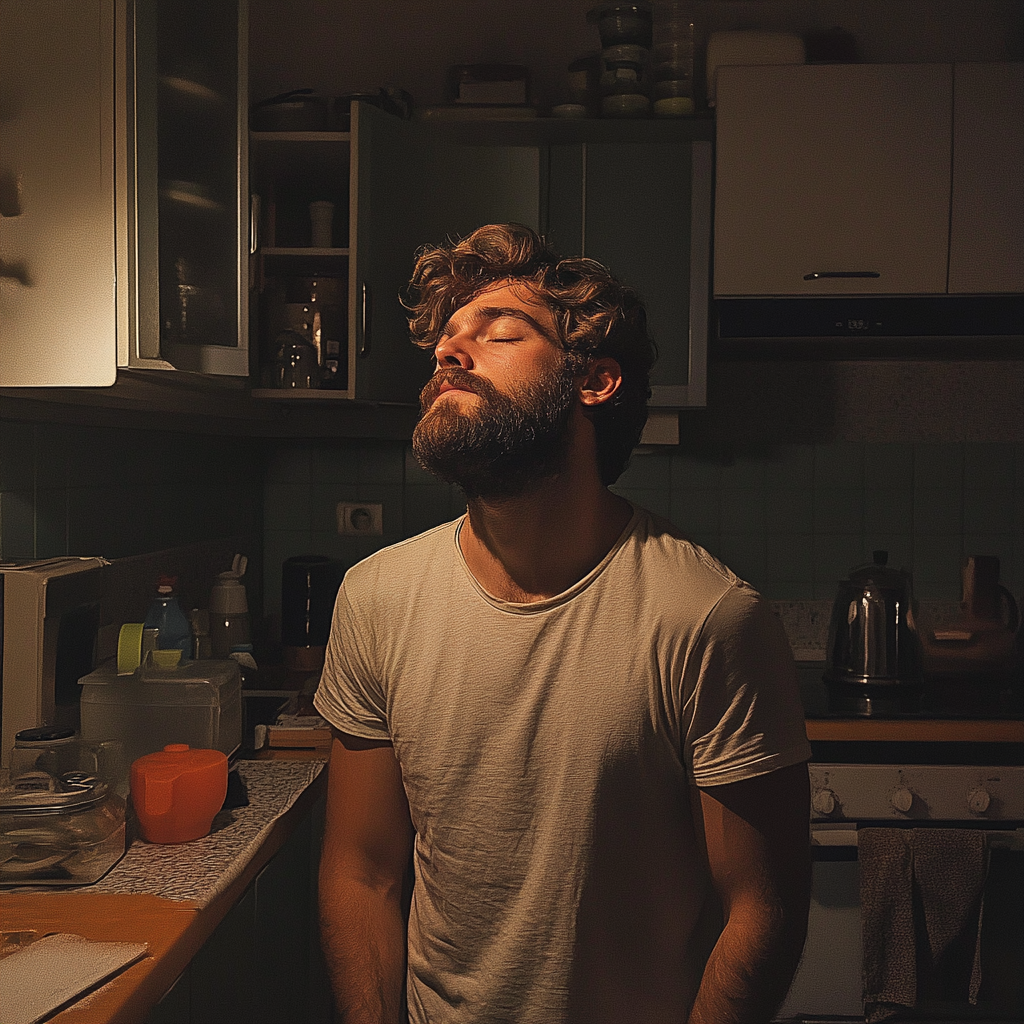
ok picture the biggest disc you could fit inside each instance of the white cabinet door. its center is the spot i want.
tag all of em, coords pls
(986, 245)
(58, 314)
(832, 179)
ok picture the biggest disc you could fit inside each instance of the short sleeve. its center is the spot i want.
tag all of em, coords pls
(745, 714)
(351, 694)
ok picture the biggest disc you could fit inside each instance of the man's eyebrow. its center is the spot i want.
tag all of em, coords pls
(489, 313)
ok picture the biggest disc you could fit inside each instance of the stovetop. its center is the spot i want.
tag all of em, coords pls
(956, 700)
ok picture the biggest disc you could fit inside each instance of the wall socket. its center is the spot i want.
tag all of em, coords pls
(361, 518)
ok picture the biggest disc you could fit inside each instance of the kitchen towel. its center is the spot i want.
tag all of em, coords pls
(921, 904)
(56, 969)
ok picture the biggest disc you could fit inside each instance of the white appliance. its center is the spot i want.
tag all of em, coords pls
(848, 797)
(49, 617)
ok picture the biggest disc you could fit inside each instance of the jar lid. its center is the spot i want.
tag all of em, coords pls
(44, 735)
(38, 792)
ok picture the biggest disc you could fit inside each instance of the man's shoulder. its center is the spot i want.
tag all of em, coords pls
(397, 561)
(664, 547)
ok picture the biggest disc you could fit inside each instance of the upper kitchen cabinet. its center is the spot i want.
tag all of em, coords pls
(58, 318)
(832, 179)
(643, 208)
(338, 286)
(188, 234)
(124, 236)
(986, 244)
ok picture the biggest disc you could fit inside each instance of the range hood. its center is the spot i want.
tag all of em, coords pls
(866, 316)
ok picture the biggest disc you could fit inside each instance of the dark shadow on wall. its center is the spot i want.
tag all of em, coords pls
(755, 407)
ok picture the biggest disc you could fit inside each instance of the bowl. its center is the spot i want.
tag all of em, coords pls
(626, 23)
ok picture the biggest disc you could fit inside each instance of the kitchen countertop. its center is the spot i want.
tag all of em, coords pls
(171, 897)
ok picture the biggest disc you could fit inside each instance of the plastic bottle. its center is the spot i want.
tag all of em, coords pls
(229, 612)
(166, 628)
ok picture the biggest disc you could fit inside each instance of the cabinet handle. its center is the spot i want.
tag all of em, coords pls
(254, 223)
(819, 274)
(366, 319)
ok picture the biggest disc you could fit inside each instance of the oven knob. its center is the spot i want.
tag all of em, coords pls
(978, 800)
(823, 801)
(902, 799)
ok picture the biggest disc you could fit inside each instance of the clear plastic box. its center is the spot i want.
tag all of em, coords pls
(199, 703)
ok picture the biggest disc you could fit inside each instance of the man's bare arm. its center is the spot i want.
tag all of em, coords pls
(363, 869)
(759, 855)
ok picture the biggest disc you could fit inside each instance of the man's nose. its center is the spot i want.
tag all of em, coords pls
(452, 351)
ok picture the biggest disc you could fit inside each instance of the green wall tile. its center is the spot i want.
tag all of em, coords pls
(889, 466)
(937, 511)
(689, 473)
(838, 511)
(17, 525)
(17, 456)
(938, 466)
(839, 466)
(789, 511)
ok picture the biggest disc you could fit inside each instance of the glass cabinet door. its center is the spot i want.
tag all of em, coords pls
(188, 122)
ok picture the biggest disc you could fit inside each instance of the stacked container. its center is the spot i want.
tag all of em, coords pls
(673, 59)
(625, 32)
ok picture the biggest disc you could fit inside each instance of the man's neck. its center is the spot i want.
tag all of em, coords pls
(538, 544)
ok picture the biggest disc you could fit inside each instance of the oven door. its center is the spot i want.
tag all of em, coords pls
(827, 985)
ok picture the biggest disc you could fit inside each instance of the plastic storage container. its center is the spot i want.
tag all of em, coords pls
(229, 612)
(177, 792)
(199, 704)
(673, 59)
(59, 830)
(56, 751)
(166, 628)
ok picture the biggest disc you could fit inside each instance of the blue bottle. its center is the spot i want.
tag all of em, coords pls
(166, 628)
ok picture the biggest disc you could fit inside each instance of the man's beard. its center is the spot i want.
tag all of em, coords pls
(502, 445)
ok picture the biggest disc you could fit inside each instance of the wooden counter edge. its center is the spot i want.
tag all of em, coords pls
(929, 730)
(174, 929)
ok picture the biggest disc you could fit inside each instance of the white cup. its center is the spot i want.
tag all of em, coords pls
(321, 217)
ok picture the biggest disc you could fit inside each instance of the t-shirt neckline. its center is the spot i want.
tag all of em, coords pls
(533, 607)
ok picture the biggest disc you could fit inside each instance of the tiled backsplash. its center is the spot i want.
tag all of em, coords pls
(792, 523)
(83, 490)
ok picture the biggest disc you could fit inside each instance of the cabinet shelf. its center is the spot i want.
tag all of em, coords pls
(301, 394)
(268, 138)
(302, 250)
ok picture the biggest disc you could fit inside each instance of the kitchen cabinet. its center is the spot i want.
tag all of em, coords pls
(262, 964)
(636, 197)
(833, 179)
(372, 175)
(986, 243)
(58, 317)
(123, 239)
(644, 210)
(186, 194)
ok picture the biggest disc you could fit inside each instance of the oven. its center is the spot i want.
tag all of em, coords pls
(917, 837)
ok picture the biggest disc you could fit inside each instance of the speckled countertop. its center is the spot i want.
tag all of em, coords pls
(201, 870)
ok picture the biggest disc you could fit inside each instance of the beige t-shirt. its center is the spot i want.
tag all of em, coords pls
(547, 752)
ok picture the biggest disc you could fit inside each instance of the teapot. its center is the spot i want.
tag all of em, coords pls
(872, 639)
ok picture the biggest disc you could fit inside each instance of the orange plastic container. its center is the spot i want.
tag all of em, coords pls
(177, 792)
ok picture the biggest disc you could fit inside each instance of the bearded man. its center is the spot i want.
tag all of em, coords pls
(565, 736)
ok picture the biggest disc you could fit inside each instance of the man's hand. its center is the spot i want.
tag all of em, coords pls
(757, 834)
(364, 870)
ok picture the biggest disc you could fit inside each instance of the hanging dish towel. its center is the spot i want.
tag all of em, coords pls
(921, 902)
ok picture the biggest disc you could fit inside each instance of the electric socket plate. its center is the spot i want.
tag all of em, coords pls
(361, 518)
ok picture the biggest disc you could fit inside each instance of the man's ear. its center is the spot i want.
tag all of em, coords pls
(601, 381)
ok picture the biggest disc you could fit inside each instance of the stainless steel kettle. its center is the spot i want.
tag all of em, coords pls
(872, 640)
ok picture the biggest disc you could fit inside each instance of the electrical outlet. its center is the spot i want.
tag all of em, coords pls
(363, 517)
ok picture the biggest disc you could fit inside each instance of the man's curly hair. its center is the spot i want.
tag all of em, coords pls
(594, 313)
